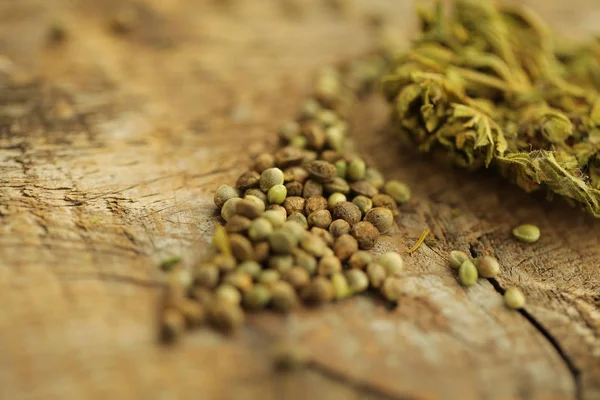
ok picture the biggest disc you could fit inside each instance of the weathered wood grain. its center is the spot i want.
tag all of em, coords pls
(110, 148)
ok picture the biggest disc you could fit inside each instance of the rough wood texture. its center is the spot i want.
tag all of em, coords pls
(110, 148)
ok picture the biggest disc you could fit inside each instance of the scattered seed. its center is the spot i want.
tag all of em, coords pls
(281, 263)
(392, 262)
(356, 169)
(358, 281)
(340, 286)
(347, 211)
(322, 171)
(225, 262)
(227, 292)
(313, 245)
(376, 274)
(294, 188)
(241, 247)
(360, 259)
(527, 233)
(239, 280)
(341, 167)
(318, 291)
(374, 177)
(320, 219)
(457, 258)
(263, 161)
(268, 277)
(257, 298)
(293, 205)
(206, 275)
(467, 273)
(249, 208)
(312, 188)
(334, 199)
(386, 201)
(363, 203)
(283, 297)
(282, 242)
(256, 192)
(392, 288)
(314, 204)
(298, 277)
(260, 229)
(261, 251)
(275, 217)
(252, 268)
(225, 316)
(339, 227)
(487, 267)
(338, 185)
(363, 188)
(345, 246)
(305, 261)
(289, 357)
(514, 298)
(299, 218)
(323, 234)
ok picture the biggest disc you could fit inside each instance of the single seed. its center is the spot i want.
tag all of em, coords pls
(345, 246)
(293, 204)
(487, 267)
(376, 274)
(241, 247)
(323, 234)
(288, 156)
(381, 218)
(347, 211)
(514, 298)
(225, 316)
(260, 229)
(299, 218)
(467, 273)
(296, 173)
(281, 263)
(363, 188)
(224, 262)
(392, 288)
(386, 201)
(527, 233)
(457, 258)
(315, 136)
(310, 108)
(252, 268)
(392, 262)
(283, 297)
(315, 203)
(249, 208)
(268, 277)
(230, 208)
(270, 177)
(298, 277)
(240, 280)
(310, 156)
(334, 199)
(399, 191)
(296, 229)
(288, 131)
(341, 167)
(305, 261)
(329, 265)
(338, 185)
(356, 169)
(227, 292)
(202, 295)
(327, 117)
(206, 275)
(294, 188)
(331, 156)
(374, 177)
(363, 203)
(193, 312)
(256, 192)
(360, 259)
(237, 224)
(275, 217)
(320, 219)
(313, 245)
(340, 286)
(321, 170)
(277, 207)
(358, 281)
(338, 228)
(257, 298)
(290, 357)
(366, 234)
(221, 241)
(298, 142)
(224, 193)
(172, 324)
(282, 242)
(247, 180)
(277, 194)
(312, 188)
(318, 291)
(264, 161)
(261, 251)
(335, 136)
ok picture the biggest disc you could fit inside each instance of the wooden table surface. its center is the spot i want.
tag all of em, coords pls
(111, 145)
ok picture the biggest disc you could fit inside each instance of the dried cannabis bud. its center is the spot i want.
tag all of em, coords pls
(489, 86)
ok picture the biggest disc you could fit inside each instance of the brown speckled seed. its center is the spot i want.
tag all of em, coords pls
(363, 188)
(360, 259)
(320, 219)
(237, 224)
(294, 188)
(321, 170)
(381, 218)
(312, 188)
(315, 203)
(339, 227)
(248, 180)
(366, 234)
(347, 211)
(293, 204)
(263, 161)
(384, 200)
(241, 247)
(345, 246)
